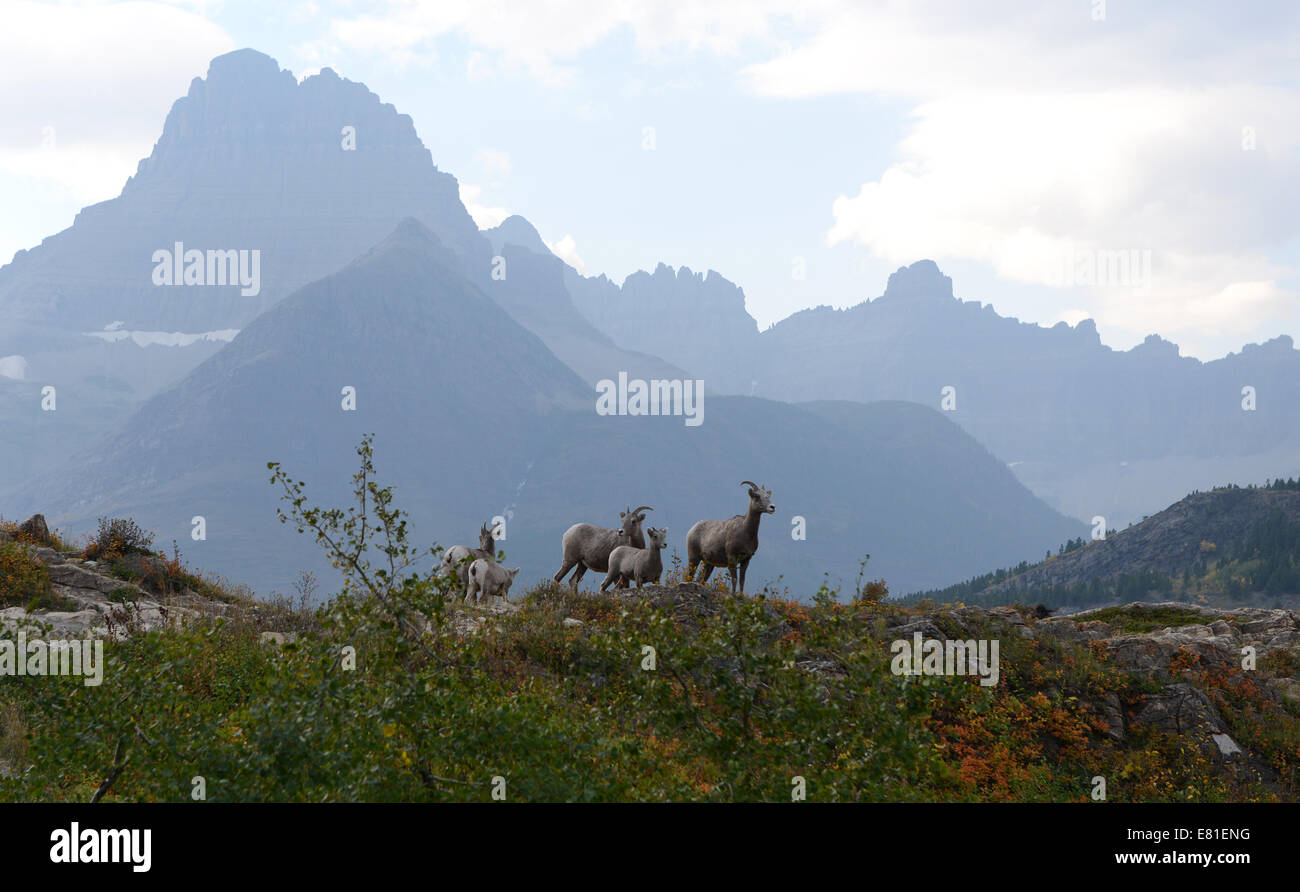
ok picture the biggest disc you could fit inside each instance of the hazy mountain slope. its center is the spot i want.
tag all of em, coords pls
(249, 159)
(893, 480)
(1090, 429)
(442, 375)
(676, 315)
(695, 320)
(474, 417)
(533, 292)
(309, 174)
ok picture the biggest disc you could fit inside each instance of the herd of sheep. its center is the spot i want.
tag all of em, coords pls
(624, 554)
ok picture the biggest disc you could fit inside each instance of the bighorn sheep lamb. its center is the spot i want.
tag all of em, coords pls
(588, 546)
(640, 564)
(728, 543)
(487, 578)
(458, 558)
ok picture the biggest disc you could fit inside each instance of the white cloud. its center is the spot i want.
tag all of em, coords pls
(61, 55)
(164, 338)
(493, 163)
(484, 216)
(13, 367)
(567, 250)
(539, 37)
(1040, 137)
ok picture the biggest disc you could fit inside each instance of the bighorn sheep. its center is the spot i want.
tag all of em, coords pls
(640, 564)
(588, 546)
(728, 543)
(487, 578)
(458, 558)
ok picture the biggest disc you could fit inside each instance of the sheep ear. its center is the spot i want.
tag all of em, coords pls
(515, 572)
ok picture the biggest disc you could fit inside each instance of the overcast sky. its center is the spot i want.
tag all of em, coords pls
(763, 138)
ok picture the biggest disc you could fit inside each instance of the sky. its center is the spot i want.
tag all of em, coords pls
(1137, 163)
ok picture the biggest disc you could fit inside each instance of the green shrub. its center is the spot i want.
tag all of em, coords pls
(122, 595)
(385, 696)
(23, 579)
(116, 537)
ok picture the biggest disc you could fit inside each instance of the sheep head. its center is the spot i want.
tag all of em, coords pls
(631, 521)
(760, 497)
(656, 538)
(485, 539)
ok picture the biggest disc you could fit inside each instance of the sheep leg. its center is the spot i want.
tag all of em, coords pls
(708, 571)
(609, 577)
(744, 565)
(578, 574)
(731, 571)
(568, 565)
(690, 570)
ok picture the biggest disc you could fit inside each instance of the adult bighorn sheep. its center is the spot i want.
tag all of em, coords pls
(627, 564)
(728, 543)
(458, 558)
(587, 546)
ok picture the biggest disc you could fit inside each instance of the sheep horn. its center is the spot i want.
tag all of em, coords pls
(638, 510)
(750, 483)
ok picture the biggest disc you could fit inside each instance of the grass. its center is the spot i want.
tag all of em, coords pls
(570, 712)
(13, 735)
(55, 540)
(393, 693)
(24, 581)
(1141, 618)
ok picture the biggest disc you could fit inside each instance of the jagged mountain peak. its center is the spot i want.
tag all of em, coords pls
(243, 65)
(923, 280)
(249, 111)
(1155, 346)
(516, 230)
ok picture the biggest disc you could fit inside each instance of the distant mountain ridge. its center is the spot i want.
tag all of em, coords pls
(310, 174)
(473, 416)
(1093, 431)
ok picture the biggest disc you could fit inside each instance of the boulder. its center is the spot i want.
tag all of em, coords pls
(34, 529)
(1179, 709)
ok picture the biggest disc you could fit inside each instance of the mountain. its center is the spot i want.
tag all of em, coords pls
(295, 177)
(474, 417)
(250, 159)
(532, 289)
(695, 320)
(676, 315)
(1092, 430)
(1204, 525)
(1232, 546)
